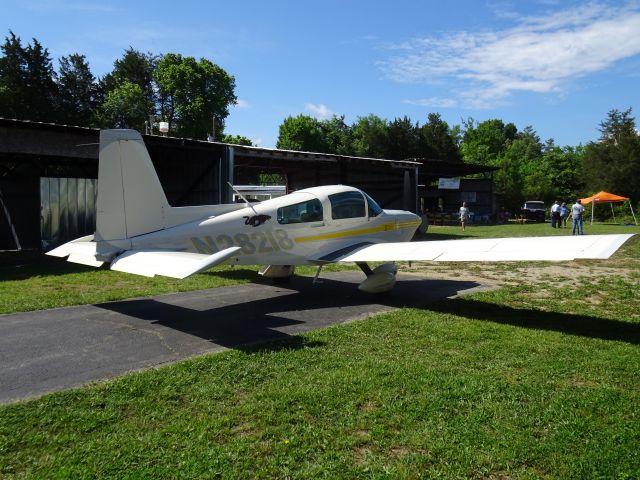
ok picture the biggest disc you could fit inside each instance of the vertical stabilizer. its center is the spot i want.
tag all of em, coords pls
(131, 200)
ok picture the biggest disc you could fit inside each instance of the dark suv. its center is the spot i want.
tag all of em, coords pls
(534, 210)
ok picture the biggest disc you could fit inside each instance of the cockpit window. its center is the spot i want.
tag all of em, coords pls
(303, 212)
(347, 205)
(374, 208)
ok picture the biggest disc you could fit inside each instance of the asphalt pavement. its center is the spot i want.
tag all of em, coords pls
(52, 350)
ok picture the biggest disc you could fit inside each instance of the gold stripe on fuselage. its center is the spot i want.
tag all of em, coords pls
(361, 231)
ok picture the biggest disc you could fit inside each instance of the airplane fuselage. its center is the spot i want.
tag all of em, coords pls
(284, 230)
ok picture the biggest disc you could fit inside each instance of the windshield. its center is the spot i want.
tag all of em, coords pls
(346, 205)
(374, 208)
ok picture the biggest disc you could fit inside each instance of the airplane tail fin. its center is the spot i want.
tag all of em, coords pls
(131, 200)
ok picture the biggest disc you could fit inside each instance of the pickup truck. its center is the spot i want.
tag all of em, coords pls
(533, 210)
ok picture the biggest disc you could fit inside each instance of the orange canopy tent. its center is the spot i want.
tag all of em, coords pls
(606, 197)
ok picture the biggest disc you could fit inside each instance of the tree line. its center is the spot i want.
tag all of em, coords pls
(189, 93)
(528, 168)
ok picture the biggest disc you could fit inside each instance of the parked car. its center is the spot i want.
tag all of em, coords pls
(533, 210)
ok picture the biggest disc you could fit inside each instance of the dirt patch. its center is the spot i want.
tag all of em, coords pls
(516, 273)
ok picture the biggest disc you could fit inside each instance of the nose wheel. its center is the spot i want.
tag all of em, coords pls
(278, 273)
(379, 280)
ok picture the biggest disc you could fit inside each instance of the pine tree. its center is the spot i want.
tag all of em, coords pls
(27, 81)
(12, 69)
(77, 91)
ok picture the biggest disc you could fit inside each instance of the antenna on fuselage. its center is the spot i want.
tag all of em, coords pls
(246, 202)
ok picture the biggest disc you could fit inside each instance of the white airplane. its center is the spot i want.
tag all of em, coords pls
(138, 232)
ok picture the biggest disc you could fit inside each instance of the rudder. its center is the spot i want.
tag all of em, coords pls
(131, 200)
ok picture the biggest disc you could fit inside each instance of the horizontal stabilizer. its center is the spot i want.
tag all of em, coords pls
(81, 250)
(493, 249)
(169, 263)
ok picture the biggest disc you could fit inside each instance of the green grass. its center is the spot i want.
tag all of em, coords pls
(528, 230)
(526, 381)
(56, 283)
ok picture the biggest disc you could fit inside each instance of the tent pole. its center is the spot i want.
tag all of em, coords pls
(612, 212)
(633, 214)
(593, 209)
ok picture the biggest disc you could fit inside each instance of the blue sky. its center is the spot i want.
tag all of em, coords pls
(558, 66)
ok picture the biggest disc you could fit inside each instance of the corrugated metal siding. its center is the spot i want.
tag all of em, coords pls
(67, 209)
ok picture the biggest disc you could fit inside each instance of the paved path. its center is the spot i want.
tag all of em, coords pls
(61, 348)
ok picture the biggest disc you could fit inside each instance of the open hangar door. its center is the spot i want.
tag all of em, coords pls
(393, 184)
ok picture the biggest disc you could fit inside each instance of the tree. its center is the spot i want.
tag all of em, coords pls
(302, 133)
(192, 93)
(370, 137)
(437, 141)
(27, 87)
(76, 91)
(508, 179)
(337, 135)
(12, 95)
(617, 126)
(126, 106)
(613, 163)
(564, 167)
(237, 140)
(402, 139)
(530, 142)
(40, 84)
(483, 142)
(134, 67)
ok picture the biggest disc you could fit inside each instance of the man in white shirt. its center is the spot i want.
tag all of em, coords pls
(555, 214)
(577, 210)
(465, 214)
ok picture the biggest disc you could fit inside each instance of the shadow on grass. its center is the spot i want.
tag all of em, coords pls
(39, 266)
(254, 314)
(425, 237)
(234, 274)
(578, 325)
(45, 266)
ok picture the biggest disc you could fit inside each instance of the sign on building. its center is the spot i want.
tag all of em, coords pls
(449, 183)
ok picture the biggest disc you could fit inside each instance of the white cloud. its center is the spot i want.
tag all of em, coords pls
(539, 54)
(320, 111)
(242, 104)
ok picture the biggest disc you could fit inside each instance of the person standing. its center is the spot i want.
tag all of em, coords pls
(564, 214)
(555, 214)
(577, 210)
(464, 215)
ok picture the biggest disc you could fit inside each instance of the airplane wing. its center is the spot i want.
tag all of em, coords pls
(169, 263)
(554, 248)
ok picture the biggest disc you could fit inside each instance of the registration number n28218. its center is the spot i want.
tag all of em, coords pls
(266, 241)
